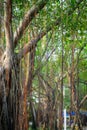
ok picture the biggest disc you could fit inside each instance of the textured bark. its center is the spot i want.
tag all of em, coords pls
(10, 98)
(7, 58)
(6, 70)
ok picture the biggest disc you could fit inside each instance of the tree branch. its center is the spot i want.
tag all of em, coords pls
(45, 62)
(44, 82)
(82, 101)
(28, 47)
(27, 19)
(7, 23)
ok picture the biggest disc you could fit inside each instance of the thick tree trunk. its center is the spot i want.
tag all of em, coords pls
(9, 99)
(6, 69)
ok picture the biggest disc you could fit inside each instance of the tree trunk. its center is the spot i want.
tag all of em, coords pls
(28, 88)
(74, 100)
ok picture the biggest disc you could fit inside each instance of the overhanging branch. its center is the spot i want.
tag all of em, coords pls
(28, 47)
(27, 19)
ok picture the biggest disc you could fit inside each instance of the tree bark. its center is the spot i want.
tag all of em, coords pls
(28, 88)
(6, 69)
